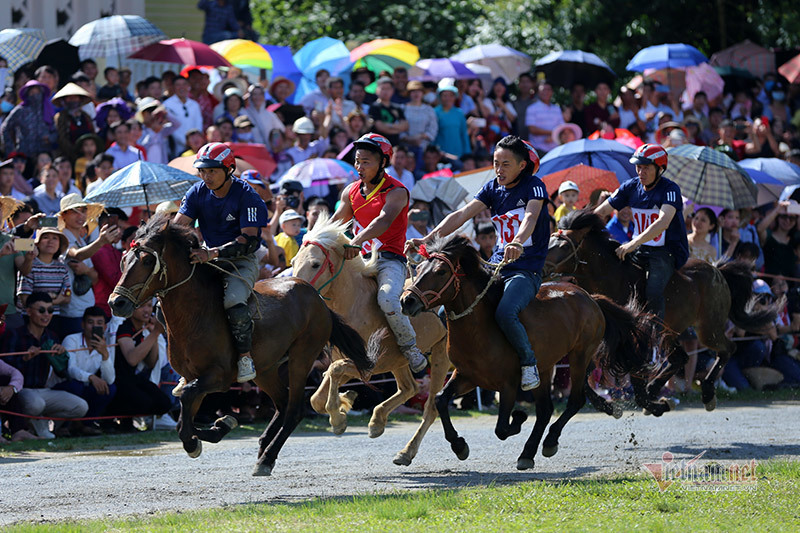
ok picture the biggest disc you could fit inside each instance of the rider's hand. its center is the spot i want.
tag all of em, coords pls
(352, 250)
(412, 246)
(625, 249)
(202, 255)
(511, 253)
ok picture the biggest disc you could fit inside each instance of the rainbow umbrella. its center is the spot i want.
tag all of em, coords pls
(241, 52)
(385, 54)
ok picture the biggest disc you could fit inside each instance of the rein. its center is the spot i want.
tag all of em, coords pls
(327, 262)
(160, 269)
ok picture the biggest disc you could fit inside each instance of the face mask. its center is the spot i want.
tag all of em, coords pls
(778, 96)
(246, 137)
(72, 106)
(35, 98)
(429, 98)
(6, 106)
(769, 85)
(419, 216)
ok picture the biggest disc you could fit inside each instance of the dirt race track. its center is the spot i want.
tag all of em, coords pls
(45, 486)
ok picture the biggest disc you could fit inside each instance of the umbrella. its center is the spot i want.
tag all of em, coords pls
(321, 171)
(788, 173)
(566, 67)
(186, 164)
(671, 55)
(736, 79)
(791, 69)
(443, 193)
(323, 53)
(586, 178)
(746, 55)
(621, 135)
(283, 63)
(241, 52)
(117, 35)
(504, 62)
(142, 183)
(598, 153)
(256, 155)
(704, 78)
(62, 56)
(379, 53)
(438, 68)
(769, 188)
(181, 51)
(483, 73)
(20, 45)
(709, 177)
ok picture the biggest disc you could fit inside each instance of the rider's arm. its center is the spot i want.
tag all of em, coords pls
(603, 210)
(532, 210)
(455, 220)
(182, 219)
(396, 200)
(344, 213)
(655, 229)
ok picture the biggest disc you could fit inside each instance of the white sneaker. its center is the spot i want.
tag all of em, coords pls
(416, 359)
(164, 422)
(530, 377)
(247, 370)
(42, 428)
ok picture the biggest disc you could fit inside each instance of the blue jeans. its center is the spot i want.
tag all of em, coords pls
(519, 290)
(660, 266)
(97, 402)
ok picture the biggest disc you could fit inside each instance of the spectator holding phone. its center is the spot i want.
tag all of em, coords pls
(48, 273)
(290, 196)
(106, 262)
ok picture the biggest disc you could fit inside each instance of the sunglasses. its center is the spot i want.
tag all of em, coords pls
(48, 310)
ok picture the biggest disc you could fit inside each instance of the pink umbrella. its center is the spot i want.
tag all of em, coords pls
(183, 52)
(704, 78)
(747, 55)
(791, 69)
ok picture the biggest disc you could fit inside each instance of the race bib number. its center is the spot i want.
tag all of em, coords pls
(375, 244)
(507, 226)
(643, 219)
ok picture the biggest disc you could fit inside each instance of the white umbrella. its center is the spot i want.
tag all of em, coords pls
(502, 60)
(118, 35)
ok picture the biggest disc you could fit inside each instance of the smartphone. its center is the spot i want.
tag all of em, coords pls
(97, 330)
(48, 222)
(479, 122)
(113, 220)
(765, 120)
(23, 245)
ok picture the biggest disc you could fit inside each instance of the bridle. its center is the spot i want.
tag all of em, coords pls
(160, 270)
(560, 235)
(325, 263)
(453, 280)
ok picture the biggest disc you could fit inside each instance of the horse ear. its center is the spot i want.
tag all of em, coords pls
(166, 224)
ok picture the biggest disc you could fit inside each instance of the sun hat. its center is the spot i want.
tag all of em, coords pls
(303, 125)
(451, 88)
(71, 89)
(574, 128)
(148, 103)
(167, 207)
(414, 85)
(74, 201)
(568, 186)
(290, 214)
(61, 237)
(238, 83)
(277, 80)
(242, 121)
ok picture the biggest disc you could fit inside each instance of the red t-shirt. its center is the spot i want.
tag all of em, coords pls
(106, 263)
(367, 208)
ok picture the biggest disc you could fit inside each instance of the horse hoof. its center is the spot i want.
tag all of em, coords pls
(198, 449)
(671, 403)
(226, 421)
(402, 459)
(711, 405)
(547, 452)
(461, 449)
(518, 417)
(524, 464)
(646, 412)
(616, 411)
(376, 431)
(262, 470)
(338, 429)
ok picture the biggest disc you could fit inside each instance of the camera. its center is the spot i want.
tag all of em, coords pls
(292, 201)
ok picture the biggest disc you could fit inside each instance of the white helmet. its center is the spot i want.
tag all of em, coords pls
(304, 125)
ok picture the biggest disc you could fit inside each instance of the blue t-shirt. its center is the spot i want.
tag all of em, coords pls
(614, 227)
(221, 219)
(646, 206)
(508, 209)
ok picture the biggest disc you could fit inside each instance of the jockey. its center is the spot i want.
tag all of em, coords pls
(659, 235)
(515, 199)
(378, 204)
(230, 215)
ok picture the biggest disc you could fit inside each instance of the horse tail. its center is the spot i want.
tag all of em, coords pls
(628, 338)
(743, 313)
(352, 345)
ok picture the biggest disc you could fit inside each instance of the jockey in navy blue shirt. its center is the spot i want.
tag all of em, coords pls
(516, 199)
(659, 234)
(230, 215)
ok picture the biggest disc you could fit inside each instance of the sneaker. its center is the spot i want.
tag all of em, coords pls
(247, 370)
(416, 359)
(178, 390)
(165, 422)
(530, 377)
(42, 428)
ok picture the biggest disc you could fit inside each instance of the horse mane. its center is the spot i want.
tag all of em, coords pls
(330, 234)
(459, 248)
(160, 229)
(586, 218)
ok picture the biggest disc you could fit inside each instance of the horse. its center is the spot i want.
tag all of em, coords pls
(292, 326)
(563, 320)
(698, 294)
(351, 289)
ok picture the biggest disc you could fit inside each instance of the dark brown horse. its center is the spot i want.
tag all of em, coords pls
(563, 320)
(699, 295)
(292, 327)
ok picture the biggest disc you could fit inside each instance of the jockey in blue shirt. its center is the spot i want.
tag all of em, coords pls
(230, 215)
(659, 240)
(515, 198)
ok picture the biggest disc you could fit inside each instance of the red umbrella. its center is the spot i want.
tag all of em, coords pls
(621, 135)
(256, 155)
(181, 51)
(586, 178)
(791, 69)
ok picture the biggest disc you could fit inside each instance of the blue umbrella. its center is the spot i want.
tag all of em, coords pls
(567, 67)
(769, 188)
(673, 55)
(142, 183)
(788, 173)
(283, 64)
(597, 153)
(438, 68)
(323, 53)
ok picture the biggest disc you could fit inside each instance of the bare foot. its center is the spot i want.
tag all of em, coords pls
(24, 435)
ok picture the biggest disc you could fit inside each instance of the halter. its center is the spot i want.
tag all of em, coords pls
(563, 236)
(327, 262)
(161, 267)
(454, 275)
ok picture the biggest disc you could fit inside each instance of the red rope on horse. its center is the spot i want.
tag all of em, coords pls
(34, 417)
(423, 251)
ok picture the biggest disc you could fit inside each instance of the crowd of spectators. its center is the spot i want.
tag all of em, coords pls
(61, 138)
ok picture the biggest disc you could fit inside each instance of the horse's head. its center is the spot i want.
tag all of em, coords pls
(562, 251)
(321, 256)
(144, 265)
(438, 277)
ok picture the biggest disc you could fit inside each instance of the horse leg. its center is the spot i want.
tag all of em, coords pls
(643, 400)
(577, 399)
(676, 360)
(192, 397)
(406, 388)
(544, 410)
(509, 422)
(272, 385)
(598, 402)
(457, 386)
(440, 364)
(339, 372)
(320, 395)
(724, 348)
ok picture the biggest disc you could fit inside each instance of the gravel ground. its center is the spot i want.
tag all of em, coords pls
(73, 485)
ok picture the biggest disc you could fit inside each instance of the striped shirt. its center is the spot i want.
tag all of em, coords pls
(50, 277)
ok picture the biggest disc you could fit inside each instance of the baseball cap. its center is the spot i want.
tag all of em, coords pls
(568, 186)
(303, 125)
(290, 214)
(242, 121)
(290, 186)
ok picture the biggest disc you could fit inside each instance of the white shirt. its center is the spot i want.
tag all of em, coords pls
(157, 142)
(348, 106)
(84, 362)
(265, 121)
(406, 178)
(123, 158)
(189, 114)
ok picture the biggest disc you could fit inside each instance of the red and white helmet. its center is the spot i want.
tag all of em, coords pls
(650, 154)
(373, 140)
(533, 156)
(215, 155)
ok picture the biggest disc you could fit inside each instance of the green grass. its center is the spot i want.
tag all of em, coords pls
(618, 503)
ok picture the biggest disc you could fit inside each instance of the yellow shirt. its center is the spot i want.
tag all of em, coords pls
(562, 211)
(188, 153)
(289, 246)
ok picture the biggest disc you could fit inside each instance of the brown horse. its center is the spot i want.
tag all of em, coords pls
(563, 320)
(699, 295)
(292, 327)
(350, 289)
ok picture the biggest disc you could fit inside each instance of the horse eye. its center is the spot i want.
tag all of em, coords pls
(440, 272)
(315, 264)
(148, 260)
